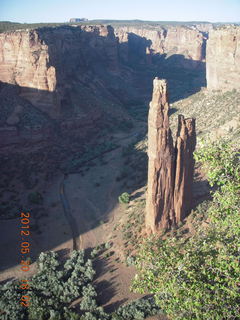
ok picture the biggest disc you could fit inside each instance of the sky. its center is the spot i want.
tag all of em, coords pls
(156, 10)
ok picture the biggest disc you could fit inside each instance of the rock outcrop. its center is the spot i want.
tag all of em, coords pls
(51, 64)
(170, 169)
(159, 204)
(223, 59)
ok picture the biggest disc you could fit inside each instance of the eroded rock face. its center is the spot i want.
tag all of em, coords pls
(49, 63)
(185, 145)
(170, 170)
(223, 59)
(182, 41)
(69, 74)
(82, 72)
(24, 61)
(159, 206)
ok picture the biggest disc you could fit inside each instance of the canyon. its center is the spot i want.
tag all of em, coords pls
(140, 43)
(76, 127)
(64, 86)
(86, 73)
(91, 73)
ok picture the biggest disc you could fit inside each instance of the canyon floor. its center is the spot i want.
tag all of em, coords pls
(81, 209)
(91, 198)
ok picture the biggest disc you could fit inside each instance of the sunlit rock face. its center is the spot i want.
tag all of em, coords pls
(85, 72)
(223, 59)
(179, 41)
(55, 67)
(184, 167)
(24, 61)
(68, 74)
(159, 206)
(46, 63)
(170, 168)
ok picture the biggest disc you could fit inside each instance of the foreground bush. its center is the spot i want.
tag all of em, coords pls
(52, 289)
(136, 310)
(55, 287)
(200, 278)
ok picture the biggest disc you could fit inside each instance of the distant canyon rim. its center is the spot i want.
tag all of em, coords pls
(76, 78)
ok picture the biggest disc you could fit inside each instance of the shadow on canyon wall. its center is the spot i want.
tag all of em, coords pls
(185, 76)
(82, 88)
(120, 72)
(93, 71)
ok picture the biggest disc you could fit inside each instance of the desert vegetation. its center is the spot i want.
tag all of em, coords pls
(217, 113)
(197, 277)
(132, 228)
(124, 198)
(88, 153)
(66, 291)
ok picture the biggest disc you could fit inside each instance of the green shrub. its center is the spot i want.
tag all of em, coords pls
(199, 278)
(107, 245)
(52, 289)
(136, 310)
(124, 198)
(95, 252)
(35, 198)
(130, 260)
(88, 302)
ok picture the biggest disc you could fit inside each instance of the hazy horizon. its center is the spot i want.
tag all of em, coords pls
(56, 11)
(104, 19)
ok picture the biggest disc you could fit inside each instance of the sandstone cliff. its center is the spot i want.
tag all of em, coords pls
(223, 58)
(83, 72)
(49, 63)
(170, 170)
(188, 42)
(59, 73)
(24, 61)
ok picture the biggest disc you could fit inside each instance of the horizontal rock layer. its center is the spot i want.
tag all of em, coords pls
(46, 63)
(81, 71)
(188, 42)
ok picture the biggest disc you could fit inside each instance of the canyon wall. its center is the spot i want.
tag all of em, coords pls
(59, 74)
(184, 41)
(223, 59)
(85, 72)
(47, 63)
(170, 168)
(24, 61)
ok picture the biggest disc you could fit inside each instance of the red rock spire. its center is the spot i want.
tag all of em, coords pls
(170, 170)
